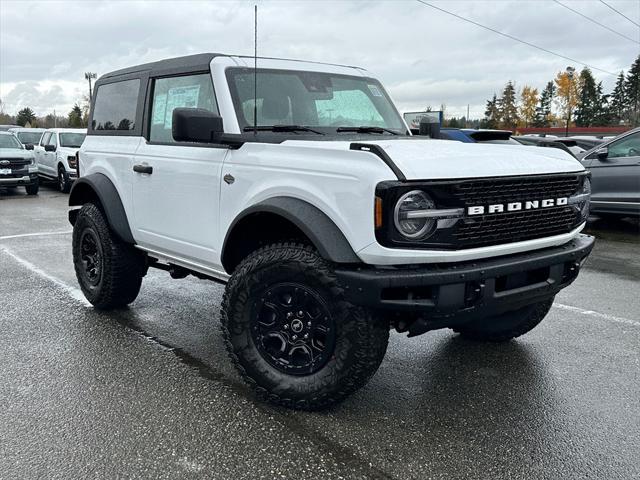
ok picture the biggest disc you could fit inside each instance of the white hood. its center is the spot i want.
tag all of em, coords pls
(421, 159)
(15, 153)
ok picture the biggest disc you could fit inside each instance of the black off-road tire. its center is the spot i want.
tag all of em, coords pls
(509, 325)
(33, 188)
(121, 266)
(361, 337)
(64, 184)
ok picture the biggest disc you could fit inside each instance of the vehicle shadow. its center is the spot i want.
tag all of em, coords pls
(625, 229)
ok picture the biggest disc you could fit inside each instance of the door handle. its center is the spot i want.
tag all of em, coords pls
(143, 169)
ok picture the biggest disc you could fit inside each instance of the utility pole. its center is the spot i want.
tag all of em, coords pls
(466, 124)
(55, 119)
(89, 76)
(570, 72)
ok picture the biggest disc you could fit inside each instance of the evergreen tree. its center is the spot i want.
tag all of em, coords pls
(632, 93)
(491, 113)
(617, 101)
(508, 107)
(590, 101)
(25, 116)
(543, 112)
(75, 117)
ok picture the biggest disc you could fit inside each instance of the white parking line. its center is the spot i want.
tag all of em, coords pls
(38, 234)
(73, 292)
(602, 316)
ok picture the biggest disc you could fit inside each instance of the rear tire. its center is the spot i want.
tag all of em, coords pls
(504, 327)
(33, 188)
(108, 270)
(285, 291)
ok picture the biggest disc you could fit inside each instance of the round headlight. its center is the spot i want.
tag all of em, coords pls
(406, 215)
(586, 190)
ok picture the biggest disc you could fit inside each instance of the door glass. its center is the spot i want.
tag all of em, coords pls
(53, 140)
(191, 91)
(627, 147)
(45, 139)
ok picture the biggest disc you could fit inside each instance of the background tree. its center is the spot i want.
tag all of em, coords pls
(508, 107)
(491, 113)
(618, 101)
(567, 96)
(75, 117)
(543, 112)
(528, 103)
(632, 93)
(25, 116)
(590, 100)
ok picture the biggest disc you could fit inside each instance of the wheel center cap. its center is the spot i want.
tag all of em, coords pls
(297, 325)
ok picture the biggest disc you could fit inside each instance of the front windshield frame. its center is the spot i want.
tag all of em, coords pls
(332, 130)
(63, 135)
(17, 145)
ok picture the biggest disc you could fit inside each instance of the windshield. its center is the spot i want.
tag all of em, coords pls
(323, 101)
(9, 141)
(29, 137)
(72, 139)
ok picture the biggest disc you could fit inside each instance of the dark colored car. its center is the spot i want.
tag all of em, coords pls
(615, 175)
(543, 142)
(470, 135)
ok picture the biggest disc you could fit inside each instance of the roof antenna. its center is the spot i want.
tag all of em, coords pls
(255, 69)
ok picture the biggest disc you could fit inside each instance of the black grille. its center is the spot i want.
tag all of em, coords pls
(14, 162)
(480, 192)
(497, 228)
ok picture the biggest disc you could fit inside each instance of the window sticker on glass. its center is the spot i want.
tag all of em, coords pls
(180, 97)
(159, 109)
(375, 91)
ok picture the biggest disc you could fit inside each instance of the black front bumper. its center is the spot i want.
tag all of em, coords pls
(468, 290)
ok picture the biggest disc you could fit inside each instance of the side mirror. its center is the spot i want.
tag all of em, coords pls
(28, 146)
(49, 148)
(196, 125)
(602, 153)
(429, 128)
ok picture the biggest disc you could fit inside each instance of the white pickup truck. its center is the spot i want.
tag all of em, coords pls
(56, 155)
(306, 194)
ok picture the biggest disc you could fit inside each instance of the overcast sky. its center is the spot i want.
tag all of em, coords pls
(423, 56)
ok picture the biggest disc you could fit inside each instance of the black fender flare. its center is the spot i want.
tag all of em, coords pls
(86, 189)
(315, 224)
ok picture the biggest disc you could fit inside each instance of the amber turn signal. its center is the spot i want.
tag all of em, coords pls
(378, 212)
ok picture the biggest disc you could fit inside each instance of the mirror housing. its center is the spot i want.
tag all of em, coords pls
(429, 128)
(49, 148)
(28, 146)
(602, 153)
(196, 125)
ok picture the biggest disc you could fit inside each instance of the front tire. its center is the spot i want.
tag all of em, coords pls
(108, 270)
(506, 326)
(64, 184)
(291, 334)
(33, 188)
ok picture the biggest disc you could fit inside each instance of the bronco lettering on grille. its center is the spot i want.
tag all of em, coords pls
(516, 206)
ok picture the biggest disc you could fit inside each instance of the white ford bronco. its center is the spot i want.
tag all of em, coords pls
(300, 187)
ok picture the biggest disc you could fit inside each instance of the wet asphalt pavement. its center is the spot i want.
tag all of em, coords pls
(148, 392)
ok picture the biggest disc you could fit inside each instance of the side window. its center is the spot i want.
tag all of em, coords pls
(45, 139)
(53, 140)
(190, 91)
(116, 106)
(626, 147)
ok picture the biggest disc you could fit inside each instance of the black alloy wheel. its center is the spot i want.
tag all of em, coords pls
(293, 329)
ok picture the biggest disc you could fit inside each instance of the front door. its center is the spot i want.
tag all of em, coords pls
(615, 178)
(176, 185)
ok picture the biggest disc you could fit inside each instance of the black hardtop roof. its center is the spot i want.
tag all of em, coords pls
(197, 62)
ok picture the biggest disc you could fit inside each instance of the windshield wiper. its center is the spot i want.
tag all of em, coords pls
(366, 130)
(280, 128)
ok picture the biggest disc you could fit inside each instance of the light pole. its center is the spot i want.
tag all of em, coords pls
(570, 71)
(89, 76)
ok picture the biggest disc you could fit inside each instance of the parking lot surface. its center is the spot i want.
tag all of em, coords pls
(148, 391)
